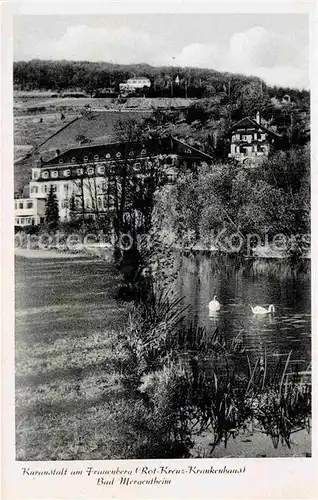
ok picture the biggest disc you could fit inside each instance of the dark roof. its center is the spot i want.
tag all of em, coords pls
(150, 147)
(248, 122)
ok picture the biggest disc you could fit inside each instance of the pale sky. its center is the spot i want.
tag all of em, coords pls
(271, 46)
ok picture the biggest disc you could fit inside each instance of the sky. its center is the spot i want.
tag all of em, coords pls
(271, 46)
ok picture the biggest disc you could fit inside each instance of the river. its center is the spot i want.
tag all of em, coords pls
(239, 284)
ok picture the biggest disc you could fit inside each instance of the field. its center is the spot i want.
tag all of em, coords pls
(32, 130)
(47, 132)
(65, 315)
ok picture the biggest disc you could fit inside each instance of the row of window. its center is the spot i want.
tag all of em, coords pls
(24, 221)
(251, 149)
(45, 188)
(249, 137)
(107, 156)
(80, 171)
(102, 202)
(23, 204)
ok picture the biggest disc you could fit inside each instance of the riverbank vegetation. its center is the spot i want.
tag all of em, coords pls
(226, 200)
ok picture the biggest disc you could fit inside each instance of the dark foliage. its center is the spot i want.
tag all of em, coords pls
(52, 209)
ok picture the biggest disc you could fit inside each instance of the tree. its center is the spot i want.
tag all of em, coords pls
(73, 211)
(52, 209)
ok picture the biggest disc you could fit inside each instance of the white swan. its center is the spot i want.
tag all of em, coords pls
(214, 305)
(263, 310)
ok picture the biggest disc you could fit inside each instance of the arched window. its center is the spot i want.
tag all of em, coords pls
(90, 171)
(54, 174)
(45, 175)
(67, 173)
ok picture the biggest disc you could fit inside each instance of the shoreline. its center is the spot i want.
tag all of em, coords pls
(102, 252)
(31, 253)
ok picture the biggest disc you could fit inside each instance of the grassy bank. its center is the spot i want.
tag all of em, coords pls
(66, 316)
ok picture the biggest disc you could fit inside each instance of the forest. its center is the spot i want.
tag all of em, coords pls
(95, 76)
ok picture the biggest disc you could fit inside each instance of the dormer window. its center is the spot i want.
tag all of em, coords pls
(54, 174)
(143, 151)
(101, 169)
(67, 173)
(96, 157)
(131, 153)
(90, 171)
(85, 159)
(45, 175)
(118, 155)
(80, 171)
(137, 164)
(107, 155)
(73, 160)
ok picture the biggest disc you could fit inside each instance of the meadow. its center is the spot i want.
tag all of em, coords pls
(66, 314)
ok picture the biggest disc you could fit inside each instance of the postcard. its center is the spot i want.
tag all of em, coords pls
(158, 290)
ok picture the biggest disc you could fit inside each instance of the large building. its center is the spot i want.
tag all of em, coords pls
(251, 141)
(82, 174)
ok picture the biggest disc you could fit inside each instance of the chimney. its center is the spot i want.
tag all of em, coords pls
(258, 117)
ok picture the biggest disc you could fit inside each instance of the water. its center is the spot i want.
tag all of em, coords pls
(239, 283)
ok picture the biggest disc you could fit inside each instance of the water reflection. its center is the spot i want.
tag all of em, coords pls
(240, 284)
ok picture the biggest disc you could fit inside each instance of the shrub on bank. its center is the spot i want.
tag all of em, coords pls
(181, 383)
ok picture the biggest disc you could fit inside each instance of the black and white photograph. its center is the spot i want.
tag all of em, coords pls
(162, 215)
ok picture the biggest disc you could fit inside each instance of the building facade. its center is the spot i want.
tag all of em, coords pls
(83, 176)
(251, 141)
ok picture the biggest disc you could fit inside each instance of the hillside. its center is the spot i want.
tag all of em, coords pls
(44, 138)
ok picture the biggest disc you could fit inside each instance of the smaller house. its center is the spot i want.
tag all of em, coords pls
(139, 83)
(29, 211)
(251, 141)
(134, 84)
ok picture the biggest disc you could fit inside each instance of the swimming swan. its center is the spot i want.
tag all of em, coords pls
(214, 305)
(263, 310)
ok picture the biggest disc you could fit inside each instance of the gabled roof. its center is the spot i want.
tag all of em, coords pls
(250, 122)
(192, 149)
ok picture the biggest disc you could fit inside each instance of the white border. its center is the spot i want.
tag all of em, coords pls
(264, 478)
